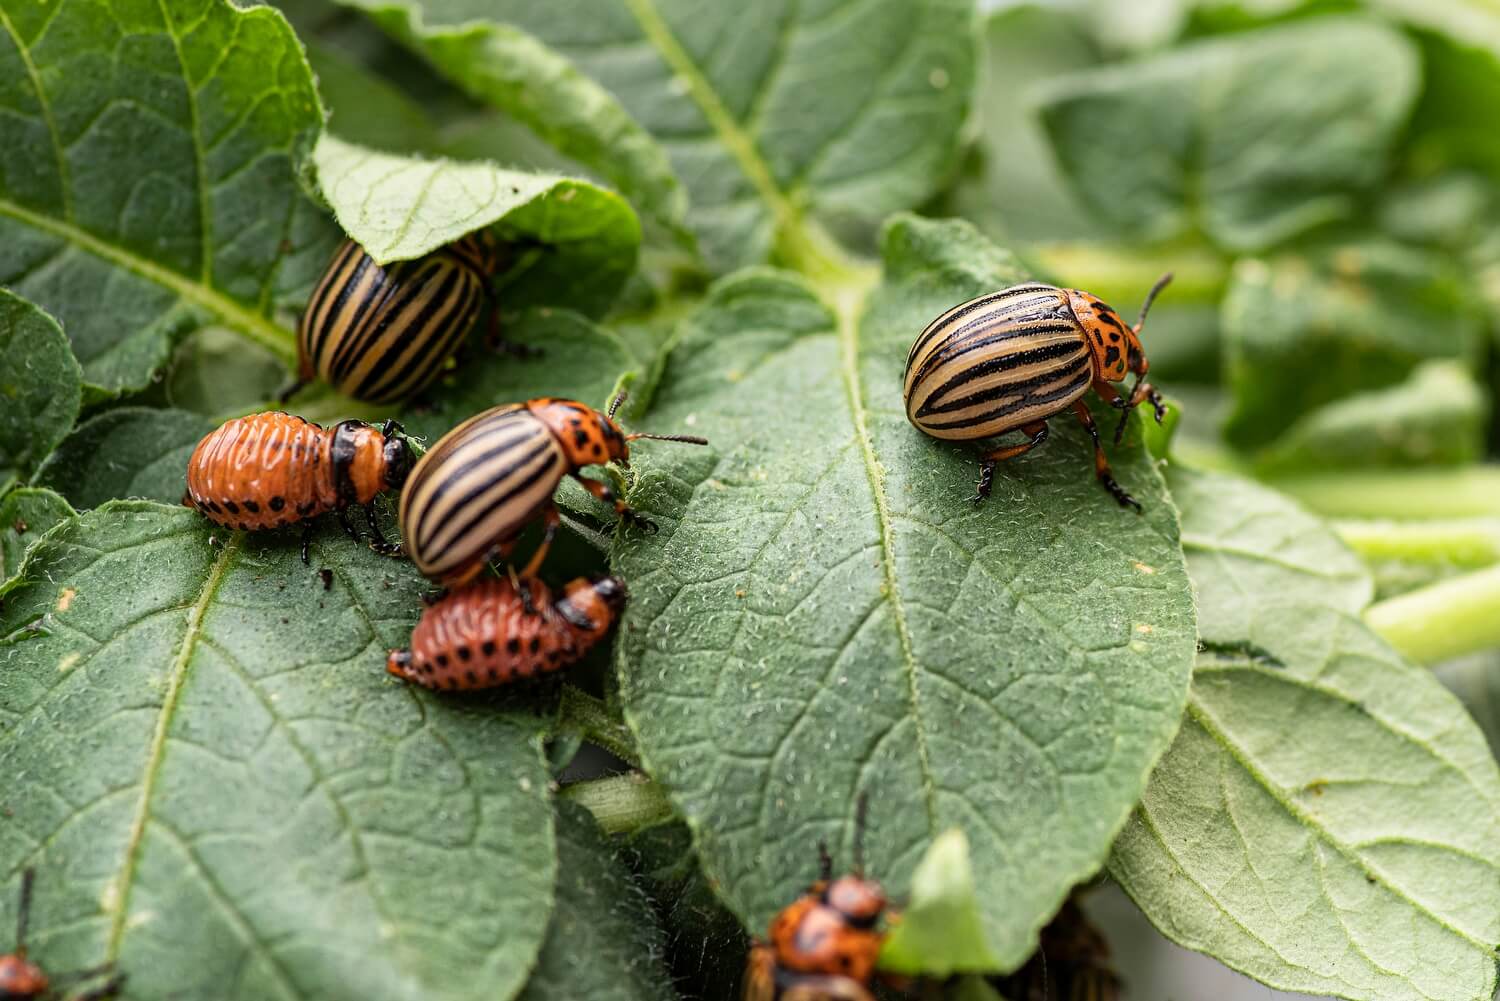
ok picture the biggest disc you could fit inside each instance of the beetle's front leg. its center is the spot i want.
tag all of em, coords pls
(607, 494)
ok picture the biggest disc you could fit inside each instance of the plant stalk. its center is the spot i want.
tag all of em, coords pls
(622, 803)
(1432, 624)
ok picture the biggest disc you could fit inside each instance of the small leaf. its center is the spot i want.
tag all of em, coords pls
(603, 943)
(40, 387)
(129, 452)
(1248, 139)
(228, 795)
(940, 931)
(25, 516)
(1328, 819)
(824, 614)
(762, 132)
(154, 189)
(399, 208)
(1303, 330)
(1438, 416)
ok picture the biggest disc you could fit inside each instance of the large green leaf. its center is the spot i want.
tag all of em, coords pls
(149, 184)
(40, 387)
(25, 515)
(227, 794)
(603, 943)
(401, 207)
(1247, 140)
(769, 112)
(127, 452)
(1328, 819)
(1305, 329)
(824, 614)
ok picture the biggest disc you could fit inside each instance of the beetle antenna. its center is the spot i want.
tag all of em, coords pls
(861, 812)
(615, 403)
(1161, 283)
(23, 912)
(825, 863)
(690, 439)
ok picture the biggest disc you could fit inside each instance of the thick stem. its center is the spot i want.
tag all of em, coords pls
(1444, 620)
(590, 718)
(1469, 492)
(1469, 543)
(622, 803)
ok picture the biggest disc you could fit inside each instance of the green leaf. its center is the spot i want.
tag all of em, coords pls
(1246, 140)
(603, 943)
(40, 387)
(940, 930)
(764, 133)
(1304, 330)
(1438, 416)
(400, 208)
(152, 186)
(1328, 819)
(228, 795)
(25, 516)
(824, 614)
(129, 452)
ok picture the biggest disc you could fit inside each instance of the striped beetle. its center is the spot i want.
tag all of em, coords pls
(1012, 359)
(381, 333)
(483, 482)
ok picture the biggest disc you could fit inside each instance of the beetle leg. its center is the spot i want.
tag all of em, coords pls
(377, 539)
(606, 493)
(1038, 432)
(551, 519)
(1101, 463)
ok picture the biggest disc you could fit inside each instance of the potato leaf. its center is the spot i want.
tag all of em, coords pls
(227, 794)
(1328, 818)
(151, 186)
(582, 239)
(824, 614)
(40, 387)
(1248, 139)
(762, 132)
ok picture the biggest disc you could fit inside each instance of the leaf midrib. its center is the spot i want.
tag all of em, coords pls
(1205, 719)
(156, 751)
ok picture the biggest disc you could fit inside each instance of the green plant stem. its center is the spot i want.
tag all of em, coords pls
(622, 803)
(1468, 492)
(1470, 543)
(1444, 620)
(590, 718)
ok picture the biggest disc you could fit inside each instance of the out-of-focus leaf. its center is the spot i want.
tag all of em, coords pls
(1438, 416)
(1247, 140)
(129, 452)
(150, 184)
(399, 208)
(940, 930)
(1304, 330)
(1328, 818)
(824, 614)
(228, 796)
(603, 943)
(40, 387)
(26, 514)
(841, 112)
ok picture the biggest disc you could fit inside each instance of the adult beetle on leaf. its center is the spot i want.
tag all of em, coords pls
(1012, 359)
(474, 491)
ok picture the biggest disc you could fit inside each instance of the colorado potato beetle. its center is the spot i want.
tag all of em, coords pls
(272, 469)
(382, 332)
(23, 980)
(823, 946)
(1009, 360)
(486, 634)
(483, 482)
